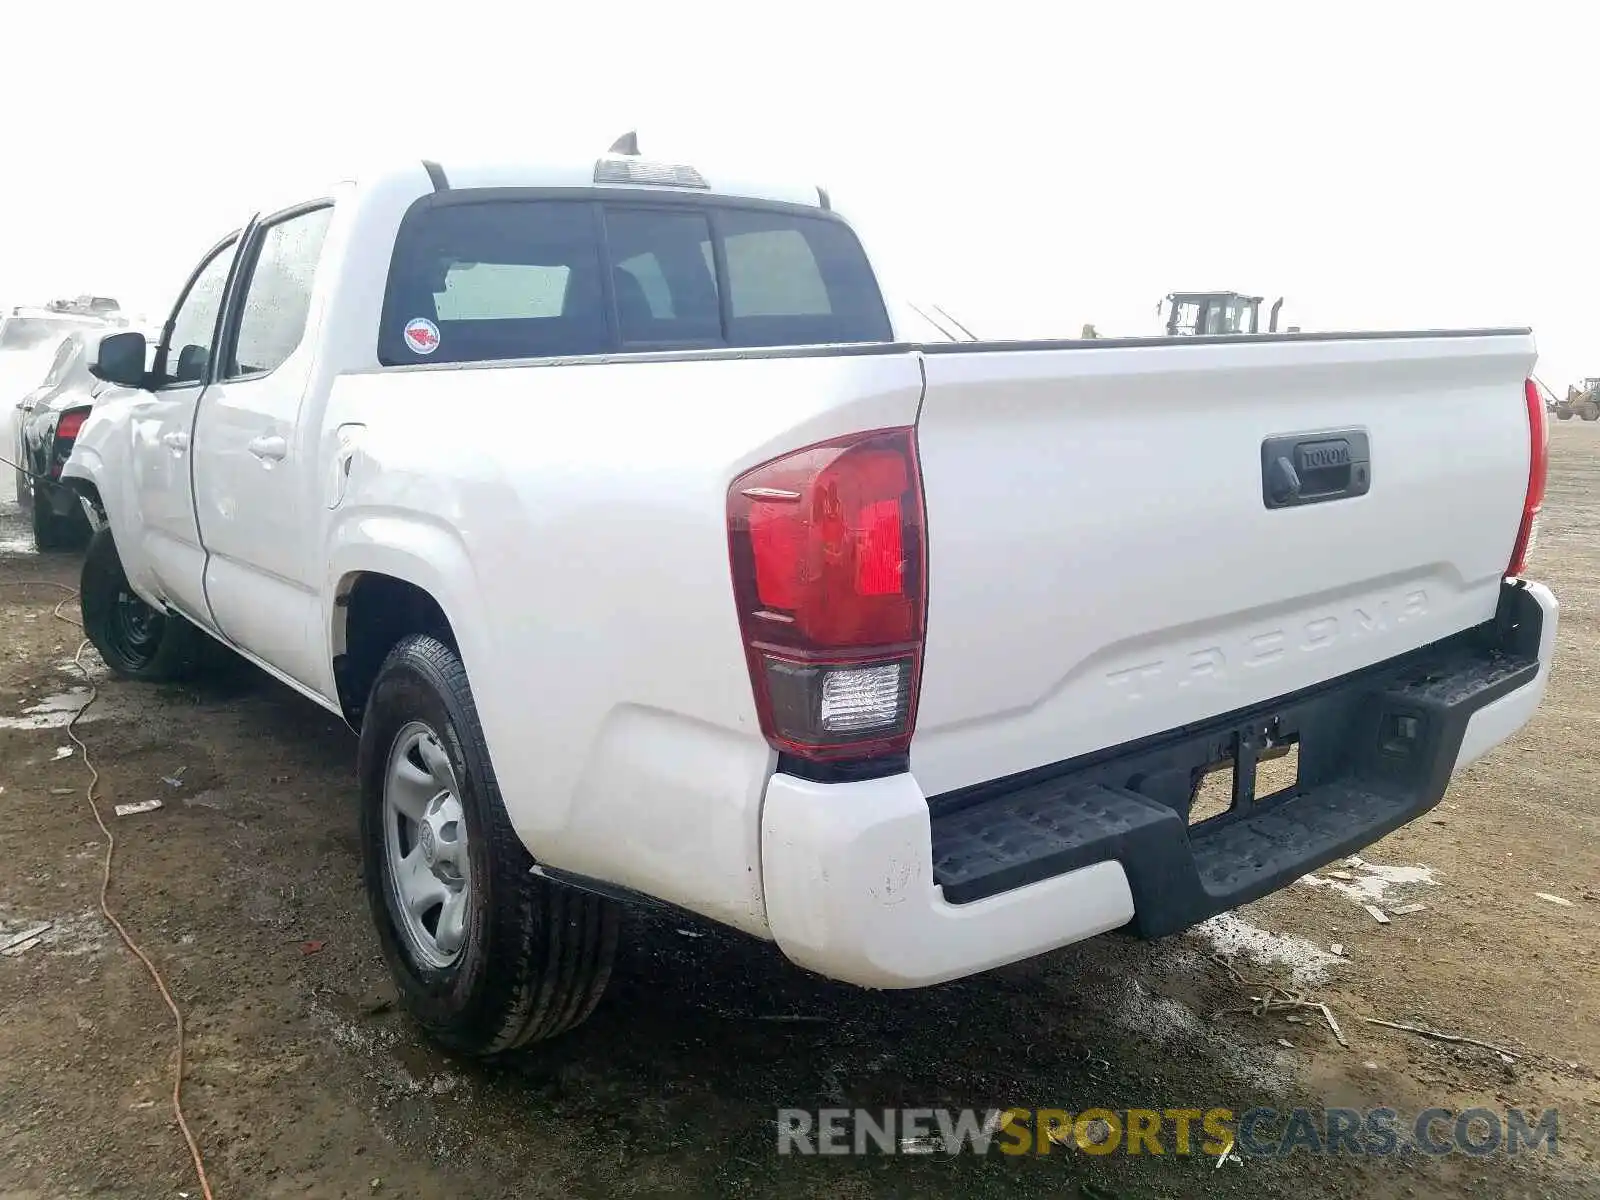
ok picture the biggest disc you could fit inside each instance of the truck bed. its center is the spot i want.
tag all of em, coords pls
(1102, 566)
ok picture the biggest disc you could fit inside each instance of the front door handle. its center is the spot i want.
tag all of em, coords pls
(177, 441)
(269, 449)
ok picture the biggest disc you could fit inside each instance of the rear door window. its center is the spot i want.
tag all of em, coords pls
(497, 279)
(277, 298)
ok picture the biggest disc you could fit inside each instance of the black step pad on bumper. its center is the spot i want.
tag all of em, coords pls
(1376, 750)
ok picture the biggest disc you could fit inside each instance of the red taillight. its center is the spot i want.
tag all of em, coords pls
(1538, 470)
(69, 424)
(828, 574)
(67, 427)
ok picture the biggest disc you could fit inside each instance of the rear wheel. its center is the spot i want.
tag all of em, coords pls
(1590, 412)
(135, 640)
(486, 955)
(52, 530)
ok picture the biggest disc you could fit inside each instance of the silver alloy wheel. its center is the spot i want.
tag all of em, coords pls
(425, 847)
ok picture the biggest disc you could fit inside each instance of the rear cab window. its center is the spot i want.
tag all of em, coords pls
(487, 277)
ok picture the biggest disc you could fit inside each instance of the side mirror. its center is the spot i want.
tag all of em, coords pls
(120, 359)
(191, 364)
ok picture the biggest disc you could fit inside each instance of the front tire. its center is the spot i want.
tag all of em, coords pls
(135, 640)
(486, 955)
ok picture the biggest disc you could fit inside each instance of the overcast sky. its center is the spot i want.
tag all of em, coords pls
(1031, 167)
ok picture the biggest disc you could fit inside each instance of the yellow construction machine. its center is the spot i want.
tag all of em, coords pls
(1212, 314)
(1583, 400)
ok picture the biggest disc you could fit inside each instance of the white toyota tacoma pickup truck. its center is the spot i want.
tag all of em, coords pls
(604, 501)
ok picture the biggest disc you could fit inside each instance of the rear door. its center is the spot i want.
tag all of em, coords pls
(253, 473)
(1104, 562)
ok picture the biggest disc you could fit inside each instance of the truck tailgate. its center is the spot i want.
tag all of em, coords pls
(1104, 562)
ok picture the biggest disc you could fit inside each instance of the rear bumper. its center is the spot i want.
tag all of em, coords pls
(1497, 720)
(876, 884)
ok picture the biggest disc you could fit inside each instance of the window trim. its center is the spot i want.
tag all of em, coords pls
(239, 291)
(719, 268)
(598, 199)
(158, 367)
(712, 354)
(602, 245)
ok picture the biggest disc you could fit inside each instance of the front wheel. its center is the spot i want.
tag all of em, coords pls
(135, 640)
(486, 955)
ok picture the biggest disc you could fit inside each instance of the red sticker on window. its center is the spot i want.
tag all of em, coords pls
(422, 335)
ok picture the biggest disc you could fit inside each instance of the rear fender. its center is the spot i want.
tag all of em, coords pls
(415, 550)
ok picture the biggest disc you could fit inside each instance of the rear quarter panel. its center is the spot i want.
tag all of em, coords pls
(577, 515)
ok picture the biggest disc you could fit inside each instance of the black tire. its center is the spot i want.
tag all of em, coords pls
(135, 640)
(52, 531)
(1590, 412)
(537, 955)
(1563, 414)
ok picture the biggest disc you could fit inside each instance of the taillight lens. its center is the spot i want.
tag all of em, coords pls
(1538, 471)
(829, 577)
(70, 423)
(67, 427)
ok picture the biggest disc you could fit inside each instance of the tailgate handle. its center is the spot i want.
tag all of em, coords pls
(1314, 468)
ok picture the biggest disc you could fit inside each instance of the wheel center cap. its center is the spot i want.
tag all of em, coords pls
(428, 843)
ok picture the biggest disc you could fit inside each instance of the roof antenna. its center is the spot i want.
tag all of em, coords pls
(971, 337)
(931, 321)
(628, 144)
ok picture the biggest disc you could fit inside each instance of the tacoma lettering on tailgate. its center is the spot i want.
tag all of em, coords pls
(1210, 663)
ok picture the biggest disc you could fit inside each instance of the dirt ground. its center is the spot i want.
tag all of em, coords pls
(303, 1080)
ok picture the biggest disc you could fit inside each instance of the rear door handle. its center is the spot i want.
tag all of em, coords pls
(269, 449)
(344, 461)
